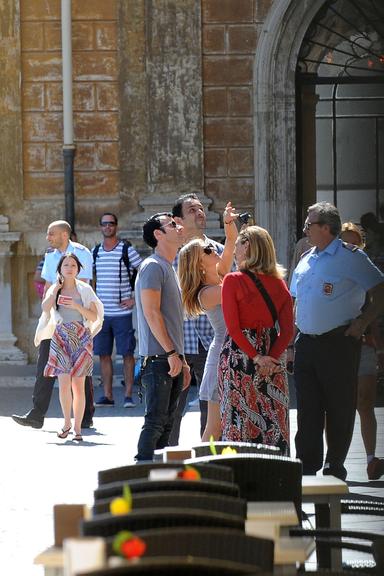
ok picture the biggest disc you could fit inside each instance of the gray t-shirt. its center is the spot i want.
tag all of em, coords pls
(156, 273)
(70, 315)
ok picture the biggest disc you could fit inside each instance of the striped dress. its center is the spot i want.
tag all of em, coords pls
(71, 348)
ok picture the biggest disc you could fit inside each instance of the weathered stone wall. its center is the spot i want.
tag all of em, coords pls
(162, 106)
(230, 34)
(95, 98)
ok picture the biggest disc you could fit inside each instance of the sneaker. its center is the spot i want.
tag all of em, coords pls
(375, 468)
(128, 402)
(104, 401)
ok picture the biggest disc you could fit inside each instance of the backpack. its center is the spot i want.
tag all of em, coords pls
(132, 272)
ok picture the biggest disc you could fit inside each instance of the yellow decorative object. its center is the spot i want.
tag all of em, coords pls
(228, 450)
(119, 506)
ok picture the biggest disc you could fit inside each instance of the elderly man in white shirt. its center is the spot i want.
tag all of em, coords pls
(58, 237)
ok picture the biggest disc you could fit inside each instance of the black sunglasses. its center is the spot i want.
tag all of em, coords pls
(209, 249)
(104, 224)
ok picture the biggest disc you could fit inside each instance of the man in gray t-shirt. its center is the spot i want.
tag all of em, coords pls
(160, 326)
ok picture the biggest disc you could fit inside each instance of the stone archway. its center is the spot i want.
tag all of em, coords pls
(275, 119)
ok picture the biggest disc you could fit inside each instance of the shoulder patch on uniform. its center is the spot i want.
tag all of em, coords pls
(351, 247)
(78, 246)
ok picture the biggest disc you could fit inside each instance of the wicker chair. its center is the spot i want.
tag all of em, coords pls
(151, 518)
(182, 499)
(366, 506)
(207, 543)
(142, 470)
(262, 477)
(367, 542)
(141, 485)
(174, 566)
(204, 449)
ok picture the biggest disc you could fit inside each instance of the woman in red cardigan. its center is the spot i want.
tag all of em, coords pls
(253, 384)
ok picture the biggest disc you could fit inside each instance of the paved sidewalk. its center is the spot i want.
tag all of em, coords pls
(39, 470)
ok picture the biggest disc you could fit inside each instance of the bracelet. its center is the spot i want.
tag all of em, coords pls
(290, 346)
(170, 353)
(227, 222)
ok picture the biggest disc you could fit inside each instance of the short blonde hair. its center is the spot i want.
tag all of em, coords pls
(351, 227)
(261, 254)
(191, 276)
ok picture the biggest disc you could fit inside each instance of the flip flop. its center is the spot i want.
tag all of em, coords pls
(78, 438)
(64, 433)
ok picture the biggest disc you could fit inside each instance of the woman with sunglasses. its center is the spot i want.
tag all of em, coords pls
(201, 271)
(253, 386)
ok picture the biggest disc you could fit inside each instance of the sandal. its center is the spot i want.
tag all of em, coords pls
(77, 438)
(64, 433)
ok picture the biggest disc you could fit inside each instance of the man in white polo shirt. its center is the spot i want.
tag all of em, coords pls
(58, 237)
(115, 263)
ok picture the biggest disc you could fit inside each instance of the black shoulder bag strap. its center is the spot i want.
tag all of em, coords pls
(264, 293)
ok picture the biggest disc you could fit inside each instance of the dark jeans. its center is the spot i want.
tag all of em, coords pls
(161, 396)
(42, 391)
(196, 363)
(326, 389)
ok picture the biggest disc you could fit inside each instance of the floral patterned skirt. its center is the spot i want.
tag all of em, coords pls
(71, 351)
(253, 408)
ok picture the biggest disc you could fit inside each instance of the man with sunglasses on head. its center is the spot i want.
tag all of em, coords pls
(115, 262)
(330, 284)
(160, 326)
(198, 332)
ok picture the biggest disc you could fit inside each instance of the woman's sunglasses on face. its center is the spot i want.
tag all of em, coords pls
(209, 249)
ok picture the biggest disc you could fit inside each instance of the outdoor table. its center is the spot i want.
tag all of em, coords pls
(328, 491)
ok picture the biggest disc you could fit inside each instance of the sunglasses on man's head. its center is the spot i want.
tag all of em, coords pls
(209, 249)
(172, 223)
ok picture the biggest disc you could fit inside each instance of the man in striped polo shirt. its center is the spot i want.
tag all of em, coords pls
(114, 290)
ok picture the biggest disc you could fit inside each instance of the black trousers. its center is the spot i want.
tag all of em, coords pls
(197, 363)
(42, 391)
(326, 370)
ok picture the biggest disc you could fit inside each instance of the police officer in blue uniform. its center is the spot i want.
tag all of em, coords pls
(330, 284)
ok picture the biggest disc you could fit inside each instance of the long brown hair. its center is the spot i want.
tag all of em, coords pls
(191, 276)
(261, 254)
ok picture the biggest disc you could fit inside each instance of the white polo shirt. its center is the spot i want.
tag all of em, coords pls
(51, 260)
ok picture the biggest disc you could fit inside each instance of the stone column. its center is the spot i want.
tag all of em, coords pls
(161, 129)
(9, 353)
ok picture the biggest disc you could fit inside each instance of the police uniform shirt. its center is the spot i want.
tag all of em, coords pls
(330, 286)
(49, 271)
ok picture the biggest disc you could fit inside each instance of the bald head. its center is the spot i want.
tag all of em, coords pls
(63, 225)
(58, 234)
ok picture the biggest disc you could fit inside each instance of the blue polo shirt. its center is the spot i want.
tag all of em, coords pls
(51, 260)
(330, 286)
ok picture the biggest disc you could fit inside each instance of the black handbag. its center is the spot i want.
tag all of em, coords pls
(273, 333)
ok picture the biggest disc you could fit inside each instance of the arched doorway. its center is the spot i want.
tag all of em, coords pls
(279, 186)
(340, 95)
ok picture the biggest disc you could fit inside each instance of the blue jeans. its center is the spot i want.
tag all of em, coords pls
(161, 397)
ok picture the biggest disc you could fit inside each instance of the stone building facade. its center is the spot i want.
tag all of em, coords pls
(162, 101)
(169, 96)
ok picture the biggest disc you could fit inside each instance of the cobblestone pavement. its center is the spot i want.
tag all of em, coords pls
(39, 470)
